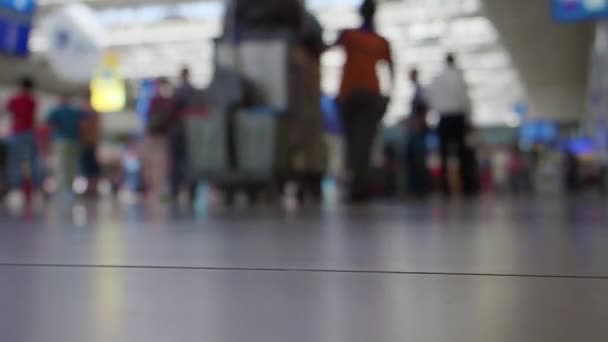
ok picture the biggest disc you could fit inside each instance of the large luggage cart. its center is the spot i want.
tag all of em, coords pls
(235, 153)
(265, 120)
(233, 146)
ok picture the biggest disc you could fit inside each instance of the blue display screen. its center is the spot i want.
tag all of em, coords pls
(578, 10)
(16, 17)
(540, 131)
(580, 146)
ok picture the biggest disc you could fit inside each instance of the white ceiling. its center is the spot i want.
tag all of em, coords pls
(157, 37)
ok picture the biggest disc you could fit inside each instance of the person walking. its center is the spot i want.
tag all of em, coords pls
(448, 95)
(156, 142)
(65, 120)
(22, 150)
(90, 132)
(418, 178)
(184, 98)
(362, 105)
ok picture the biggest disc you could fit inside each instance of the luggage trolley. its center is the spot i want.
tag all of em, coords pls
(235, 145)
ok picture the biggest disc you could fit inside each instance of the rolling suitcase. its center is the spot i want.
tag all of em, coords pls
(206, 139)
(256, 137)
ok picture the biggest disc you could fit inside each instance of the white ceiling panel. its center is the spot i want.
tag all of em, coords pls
(158, 37)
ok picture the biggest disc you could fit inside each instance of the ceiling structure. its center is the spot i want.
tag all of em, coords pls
(158, 37)
(421, 32)
(553, 58)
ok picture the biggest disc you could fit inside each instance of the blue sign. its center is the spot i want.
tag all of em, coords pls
(539, 131)
(25, 7)
(146, 90)
(16, 18)
(580, 146)
(579, 10)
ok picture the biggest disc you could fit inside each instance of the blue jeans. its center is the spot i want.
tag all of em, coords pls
(22, 151)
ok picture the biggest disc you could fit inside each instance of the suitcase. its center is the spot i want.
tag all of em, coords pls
(206, 141)
(256, 138)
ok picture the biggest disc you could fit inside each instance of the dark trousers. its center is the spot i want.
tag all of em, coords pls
(453, 130)
(179, 160)
(417, 172)
(361, 114)
(3, 168)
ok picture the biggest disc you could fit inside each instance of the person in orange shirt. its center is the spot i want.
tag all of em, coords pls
(362, 105)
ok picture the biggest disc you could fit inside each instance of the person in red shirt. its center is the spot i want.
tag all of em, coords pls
(23, 152)
(362, 105)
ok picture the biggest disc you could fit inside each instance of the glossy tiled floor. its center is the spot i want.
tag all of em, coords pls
(489, 270)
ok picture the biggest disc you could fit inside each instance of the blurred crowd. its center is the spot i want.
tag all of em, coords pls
(49, 155)
(155, 162)
(66, 142)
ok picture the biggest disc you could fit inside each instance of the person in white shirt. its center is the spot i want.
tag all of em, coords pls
(448, 95)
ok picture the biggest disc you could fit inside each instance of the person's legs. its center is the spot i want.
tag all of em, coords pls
(17, 152)
(155, 165)
(90, 168)
(348, 113)
(361, 114)
(147, 163)
(178, 163)
(603, 180)
(360, 157)
(466, 156)
(444, 150)
(71, 160)
(62, 171)
(465, 164)
(34, 161)
(366, 121)
(335, 155)
(420, 182)
(349, 135)
(3, 169)
(23, 152)
(409, 166)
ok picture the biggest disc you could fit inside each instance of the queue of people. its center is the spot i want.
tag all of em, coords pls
(75, 134)
(447, 95)
(361, 105)
(164, 153)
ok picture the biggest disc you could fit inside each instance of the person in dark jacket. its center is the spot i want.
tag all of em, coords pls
(418, 178)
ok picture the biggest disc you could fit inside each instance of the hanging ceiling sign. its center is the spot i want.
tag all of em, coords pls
(76, 43)
(579, 10)
(108, 89)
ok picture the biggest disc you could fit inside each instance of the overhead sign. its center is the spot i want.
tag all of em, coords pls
(108, 89)
(16, 18)
(579, 10)
(76, 42)
(27, 7)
